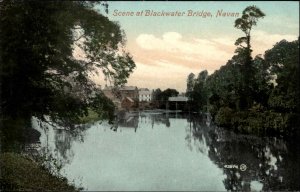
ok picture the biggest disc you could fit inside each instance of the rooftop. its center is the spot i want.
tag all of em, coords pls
(128, 88)
(178, 98)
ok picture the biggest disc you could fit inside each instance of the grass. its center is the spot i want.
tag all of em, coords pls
(92, 117)
(21, 174)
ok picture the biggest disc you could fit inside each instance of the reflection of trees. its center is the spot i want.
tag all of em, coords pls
(164, 118)
(157, 119)
(56, 143)
(133, 119)
(270, 161)
(63, 142)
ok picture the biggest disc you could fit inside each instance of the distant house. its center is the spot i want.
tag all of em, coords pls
(145, 95)
(127, 103)
(129, 91)
(124, 97)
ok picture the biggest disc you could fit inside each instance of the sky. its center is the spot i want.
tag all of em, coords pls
(166, 49)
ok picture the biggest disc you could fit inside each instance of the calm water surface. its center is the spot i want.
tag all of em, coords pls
(169, 151)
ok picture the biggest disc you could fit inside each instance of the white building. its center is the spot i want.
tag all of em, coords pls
(145, 95)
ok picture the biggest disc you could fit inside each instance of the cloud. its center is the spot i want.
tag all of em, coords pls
(262, 41)
(174, 43)
(187, 52)
(198, 52)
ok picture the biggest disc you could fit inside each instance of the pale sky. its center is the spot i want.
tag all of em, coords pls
(168, 48)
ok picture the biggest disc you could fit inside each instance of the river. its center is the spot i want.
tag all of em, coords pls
(168, 151)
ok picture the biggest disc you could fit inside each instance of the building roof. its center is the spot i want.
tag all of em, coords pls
(128, 88)
(129, 99)
(179, 98)
(143, 89)
(123, 88)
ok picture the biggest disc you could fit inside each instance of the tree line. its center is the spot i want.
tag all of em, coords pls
(252, 95)
(160, 98)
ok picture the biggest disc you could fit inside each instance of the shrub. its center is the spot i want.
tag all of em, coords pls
(223, 117)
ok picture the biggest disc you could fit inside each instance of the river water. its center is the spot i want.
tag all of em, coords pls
(168, 151)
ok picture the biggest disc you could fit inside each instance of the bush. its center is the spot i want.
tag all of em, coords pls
(260, 123)
(223, 117)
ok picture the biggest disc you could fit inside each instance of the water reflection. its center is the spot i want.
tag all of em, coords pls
(56, 143)
(171, 151)
(138, 119)
(271, 164)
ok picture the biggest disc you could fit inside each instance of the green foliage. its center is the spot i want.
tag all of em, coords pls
(261, 85)
(283, 60)
(224, 116)
(249, 18)
(103, 106)
(161, 97)
(199, 94)
(157, 95)
(263, 122)
(90, 118)
(164, 96)
(39, 74)
(22, 174)
(190, 85)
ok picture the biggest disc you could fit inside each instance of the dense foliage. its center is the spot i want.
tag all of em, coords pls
(257, 95)
(160, 98)
(41, 77)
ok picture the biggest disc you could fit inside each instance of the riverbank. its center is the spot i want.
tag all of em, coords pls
(261, 123)
(19, 173)
(90, 118)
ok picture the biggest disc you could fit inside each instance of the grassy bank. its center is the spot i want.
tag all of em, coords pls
(21, 174)
(90, 118)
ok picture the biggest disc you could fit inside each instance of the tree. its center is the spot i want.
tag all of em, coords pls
(249, 19)
(190, 84)
(157, 95)
(39, 72)
(168, 93)
(262, 85)
(200, 94)
(283, 60)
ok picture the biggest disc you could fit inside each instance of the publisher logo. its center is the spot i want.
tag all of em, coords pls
(242, 167)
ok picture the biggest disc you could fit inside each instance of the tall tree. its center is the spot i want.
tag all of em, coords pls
(190, 84)
(40, 75)
(200, 94)
(250, 17)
